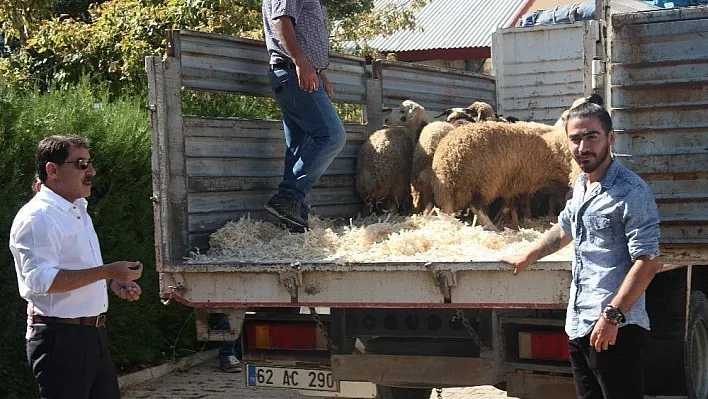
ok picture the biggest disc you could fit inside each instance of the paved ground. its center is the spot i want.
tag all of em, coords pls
(205, 381)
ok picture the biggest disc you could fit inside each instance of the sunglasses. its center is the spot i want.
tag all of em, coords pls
(82, 163)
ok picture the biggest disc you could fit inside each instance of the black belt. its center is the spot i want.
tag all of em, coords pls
(284, 65)
(95, 321)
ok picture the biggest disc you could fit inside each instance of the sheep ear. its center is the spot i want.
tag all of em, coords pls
(387, 109)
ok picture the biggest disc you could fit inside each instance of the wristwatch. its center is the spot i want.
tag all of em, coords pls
(613, 315)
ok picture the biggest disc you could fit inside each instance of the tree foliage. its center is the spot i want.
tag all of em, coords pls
(109, 46)
(352, 34)
(19, 18)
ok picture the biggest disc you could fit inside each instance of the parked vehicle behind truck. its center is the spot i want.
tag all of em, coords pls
(402, 328)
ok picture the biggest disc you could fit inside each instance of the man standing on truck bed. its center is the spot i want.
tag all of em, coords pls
(615, 223)
(298, 43)
(61, 274)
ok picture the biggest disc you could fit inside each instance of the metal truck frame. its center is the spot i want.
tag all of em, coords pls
(409, 327)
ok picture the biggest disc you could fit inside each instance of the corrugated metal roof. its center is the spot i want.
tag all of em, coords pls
(452, 24)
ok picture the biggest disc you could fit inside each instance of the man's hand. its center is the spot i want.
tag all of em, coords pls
(128, 290)
(603, 334)
(328, 86)
(519, 262)
(553, 240)
(307, 76)
(125, 271)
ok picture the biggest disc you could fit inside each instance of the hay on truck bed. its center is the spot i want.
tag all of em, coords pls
(417, 238)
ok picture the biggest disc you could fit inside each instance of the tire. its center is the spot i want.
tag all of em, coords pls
(695, 352)
(385, 392)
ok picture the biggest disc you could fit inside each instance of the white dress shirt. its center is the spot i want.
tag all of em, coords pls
(49, 234)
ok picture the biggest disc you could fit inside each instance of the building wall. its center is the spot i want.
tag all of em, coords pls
(481, 66)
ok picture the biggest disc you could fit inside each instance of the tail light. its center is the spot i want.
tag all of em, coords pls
(285, 337)
(544, 346)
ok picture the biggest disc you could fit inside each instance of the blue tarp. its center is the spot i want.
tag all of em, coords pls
(567, 14)
(676, 3)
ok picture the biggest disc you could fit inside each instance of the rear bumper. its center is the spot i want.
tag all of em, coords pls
(414, 371)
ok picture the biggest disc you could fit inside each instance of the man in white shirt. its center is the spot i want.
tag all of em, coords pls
(61, 274)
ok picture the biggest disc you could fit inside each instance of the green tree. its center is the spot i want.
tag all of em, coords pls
(353, 33)
(19, 18)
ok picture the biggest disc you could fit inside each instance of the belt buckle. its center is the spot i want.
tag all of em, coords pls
(100, 321)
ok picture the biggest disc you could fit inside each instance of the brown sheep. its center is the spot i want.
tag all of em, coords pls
(383, 166)
(477, 163)
(422, 190)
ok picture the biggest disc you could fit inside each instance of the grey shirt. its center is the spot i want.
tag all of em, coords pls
(310, 22)
(617, 222)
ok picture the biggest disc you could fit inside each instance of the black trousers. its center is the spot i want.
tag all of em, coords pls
(72, 362)
(612, 374)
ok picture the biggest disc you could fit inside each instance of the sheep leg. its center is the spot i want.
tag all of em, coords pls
(553, 205)
(367, 209)
(425, 202)
(484, 219)
(525, 207)
(418, 201)
(507, 206)
(514, 224)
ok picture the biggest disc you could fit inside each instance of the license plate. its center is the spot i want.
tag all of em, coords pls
(293, 378)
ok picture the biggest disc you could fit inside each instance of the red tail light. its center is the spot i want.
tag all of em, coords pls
(544, 346)
(285, 337)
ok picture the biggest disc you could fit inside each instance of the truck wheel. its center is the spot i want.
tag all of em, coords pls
(695, 351)
(385, 392)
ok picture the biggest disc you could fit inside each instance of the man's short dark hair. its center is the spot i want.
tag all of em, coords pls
(590, 110)
(55, 149)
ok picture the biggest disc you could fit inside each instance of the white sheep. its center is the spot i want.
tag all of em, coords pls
(421, 172)
(593, 98)
(477, 163)
(383, 166)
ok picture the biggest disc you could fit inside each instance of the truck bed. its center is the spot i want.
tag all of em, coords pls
(476, 284)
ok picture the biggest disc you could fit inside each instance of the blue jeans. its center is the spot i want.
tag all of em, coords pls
(314, 134)
(228, 348)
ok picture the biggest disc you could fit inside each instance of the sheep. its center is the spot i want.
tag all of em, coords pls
(409, 114)
(510, 118)
(593, 98)
(520, 207)
(457, 115)
(481, 111)
(534, 127)
(383, 166)
(476, 163)
(421, 172)
(478, 111)
(557, 141)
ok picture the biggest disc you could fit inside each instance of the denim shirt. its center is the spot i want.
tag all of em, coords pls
(612, 226)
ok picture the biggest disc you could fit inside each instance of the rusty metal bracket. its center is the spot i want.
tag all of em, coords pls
(445, 280)
(291, 280)
(176, 288)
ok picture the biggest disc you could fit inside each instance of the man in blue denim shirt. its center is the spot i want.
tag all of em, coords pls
(297, 39)
(614, 220)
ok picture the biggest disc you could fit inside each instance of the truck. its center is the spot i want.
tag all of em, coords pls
(391, 329)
